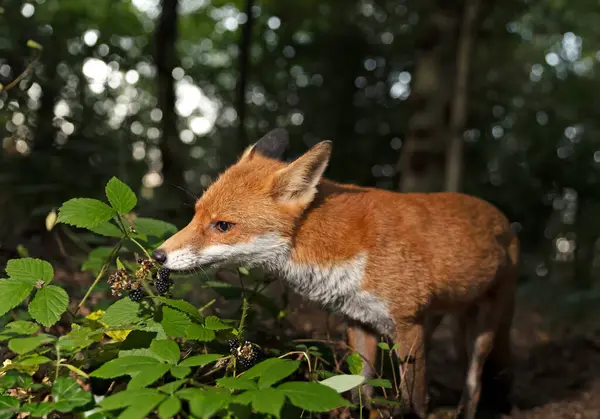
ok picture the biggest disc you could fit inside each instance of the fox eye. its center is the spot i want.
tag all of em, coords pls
(223, 226)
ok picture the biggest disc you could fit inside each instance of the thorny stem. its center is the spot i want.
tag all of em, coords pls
(101, 273)
(207, 305)
(245, 307)
(21, 76)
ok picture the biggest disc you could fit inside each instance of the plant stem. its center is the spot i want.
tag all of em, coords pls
(57, 362)
(140, 246)
(245, 307)
(360, 403)
(101, 273)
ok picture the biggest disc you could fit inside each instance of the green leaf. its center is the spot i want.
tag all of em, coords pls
(35, 45)
(200, 360)
(175, 322)
(384, 346)
(152, 227)
(24, 345)
(12, 293)
(139, 352)
(355, 363)
(6, 404)
(313, 397)
(38, 410)
(172, 387)
(107, 229)
(126, 365)
(121, 313)
(131, 397)
(146, 375)
(262, 367)
(84, 212)
(180, 372)
(214, 323)
(68, 394)
(96, 259)
(268, 400)
(48, 305)
(209, 402)
(79, 338)
(34, 360)
(169, 407)
(343, 382)
(395, 347)
(30, 270)
(277, 372)
(239, 383)
(22, 327)
(120, 196)
(196, 332)
(120, 264)
(167, 350)
(182, 305)
(380, 382)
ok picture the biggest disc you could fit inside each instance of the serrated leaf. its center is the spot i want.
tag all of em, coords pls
(172, 387)
(84, 212)
(175, 322)
(277, 372)
(21, 327)
(146, 375)
(209, 403)
(196, 332)
(139, 352)
(96, 258)
(355, 363)
(180, 372)
(38, 410)
(313, 397)
(268, 400)
(79, 338)
(122, 312)
(343, 382)
(169, 408)
(182, 305)
(106, 229)
(33, 360)
(68, 394)
(30, 270)
(380, 382)
(152, 227)
(214, 323)
(48, 305)
(12, 293)
(8, 406)
(24, 345)
(131, 397)
(120, 196)
(167, 350)
(239, 383)
(122, 366)
(200, 360)
(260, 368)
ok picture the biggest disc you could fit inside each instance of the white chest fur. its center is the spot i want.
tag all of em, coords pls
(338, 288)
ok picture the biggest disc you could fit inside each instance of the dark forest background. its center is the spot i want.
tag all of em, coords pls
(499, 99)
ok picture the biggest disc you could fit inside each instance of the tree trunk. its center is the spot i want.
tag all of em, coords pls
(459, 110)
(170, 146)
(244, 66)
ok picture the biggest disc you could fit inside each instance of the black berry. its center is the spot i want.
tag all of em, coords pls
(136, 295)
(162, 285)
(234, 344)
(247, 355)
(140, 261)
(163, 273)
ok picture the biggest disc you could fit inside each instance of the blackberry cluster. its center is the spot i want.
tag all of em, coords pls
(246, 355)
(145, 266)
(163, 281)
(136, 295)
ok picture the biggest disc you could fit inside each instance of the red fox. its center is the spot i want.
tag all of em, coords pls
(393, 264)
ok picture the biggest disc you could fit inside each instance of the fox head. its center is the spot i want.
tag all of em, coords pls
(248, 215)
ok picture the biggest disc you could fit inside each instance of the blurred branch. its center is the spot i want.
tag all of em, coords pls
(459, 109)
(244, 66)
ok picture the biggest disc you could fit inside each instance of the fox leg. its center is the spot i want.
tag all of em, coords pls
(365, 343)
(413, 370)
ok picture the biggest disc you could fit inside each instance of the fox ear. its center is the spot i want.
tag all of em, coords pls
(297, 182)
(271, 145)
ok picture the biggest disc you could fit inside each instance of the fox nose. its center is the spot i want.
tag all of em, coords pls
(160, 256)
